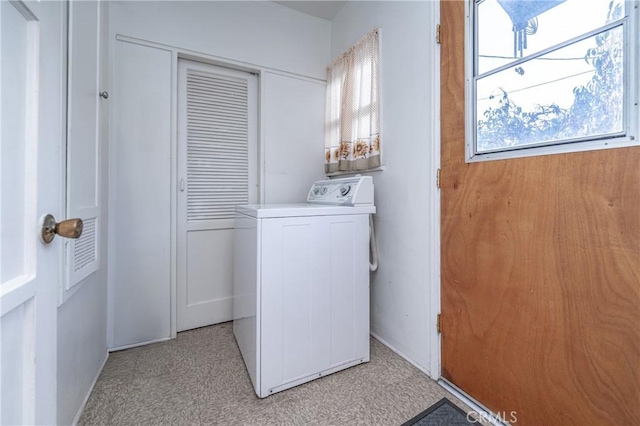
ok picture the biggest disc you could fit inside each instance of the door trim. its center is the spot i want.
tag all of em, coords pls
(476, 407)
(434, 213)
(173, 296)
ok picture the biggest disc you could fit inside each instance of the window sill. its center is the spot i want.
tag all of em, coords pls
(355, 172)
(554, 149)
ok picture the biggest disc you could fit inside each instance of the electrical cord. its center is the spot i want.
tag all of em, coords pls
(373, 248)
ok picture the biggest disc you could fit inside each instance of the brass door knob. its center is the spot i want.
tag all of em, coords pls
(70, 228)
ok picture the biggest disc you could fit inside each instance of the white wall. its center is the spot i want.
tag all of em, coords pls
(293, 130)
(255, 32)
(404, 290)
(82, 319)
(82, 343)
(290, 51)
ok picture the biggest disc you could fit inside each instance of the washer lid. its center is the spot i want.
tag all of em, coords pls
(300, 210)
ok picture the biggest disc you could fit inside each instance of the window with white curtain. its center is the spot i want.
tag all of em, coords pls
(352, 135)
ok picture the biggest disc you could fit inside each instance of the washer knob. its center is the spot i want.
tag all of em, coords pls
(344, 190)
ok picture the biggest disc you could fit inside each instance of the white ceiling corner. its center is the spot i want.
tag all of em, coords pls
(327, 9)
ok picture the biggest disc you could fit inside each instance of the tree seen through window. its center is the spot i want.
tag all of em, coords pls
(569, 89)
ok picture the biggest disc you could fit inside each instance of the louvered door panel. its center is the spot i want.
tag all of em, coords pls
(217, 145)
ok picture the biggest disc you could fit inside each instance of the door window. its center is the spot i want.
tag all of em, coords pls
(550, 76)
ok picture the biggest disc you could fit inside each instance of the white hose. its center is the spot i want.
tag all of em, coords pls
(373, 248)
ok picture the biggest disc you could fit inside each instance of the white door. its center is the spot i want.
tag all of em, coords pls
(217, 170)
(140, 184)
(83, 153)
(31, 123)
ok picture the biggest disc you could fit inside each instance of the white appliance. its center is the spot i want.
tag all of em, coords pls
(301, 284)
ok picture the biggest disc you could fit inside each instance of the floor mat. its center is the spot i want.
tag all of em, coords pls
(442, 413)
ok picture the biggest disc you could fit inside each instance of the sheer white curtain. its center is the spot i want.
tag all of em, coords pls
(352, 136)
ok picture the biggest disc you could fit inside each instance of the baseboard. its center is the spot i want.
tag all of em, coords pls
(135, 345)
(86, 398)
(406, 358)
(480, 410)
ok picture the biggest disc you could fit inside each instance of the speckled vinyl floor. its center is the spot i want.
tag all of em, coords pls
(200, 379)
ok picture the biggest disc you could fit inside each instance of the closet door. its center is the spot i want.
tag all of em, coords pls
(140, 195)
(217, 170)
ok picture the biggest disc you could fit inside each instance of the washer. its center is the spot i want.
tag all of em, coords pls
(301, 285)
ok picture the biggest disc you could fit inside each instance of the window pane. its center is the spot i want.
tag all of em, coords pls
(550, 99)
(538, 25)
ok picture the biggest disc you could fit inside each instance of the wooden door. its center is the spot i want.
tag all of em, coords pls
(540, 272)
(218, 169)
(30, 179)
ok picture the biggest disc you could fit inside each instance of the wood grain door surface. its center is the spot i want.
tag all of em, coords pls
(540, 272)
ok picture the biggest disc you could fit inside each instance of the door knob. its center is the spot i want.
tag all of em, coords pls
(70, 228)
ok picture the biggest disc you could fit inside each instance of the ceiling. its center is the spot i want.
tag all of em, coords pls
(320, 9)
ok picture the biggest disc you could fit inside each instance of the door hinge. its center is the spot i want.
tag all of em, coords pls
(438, 33)
(439, 324)
(438, 179)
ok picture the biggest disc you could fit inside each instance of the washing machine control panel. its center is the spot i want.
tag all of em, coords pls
(354, 191)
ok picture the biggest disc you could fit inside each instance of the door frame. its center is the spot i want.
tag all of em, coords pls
(181, 54)
(434, 213)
